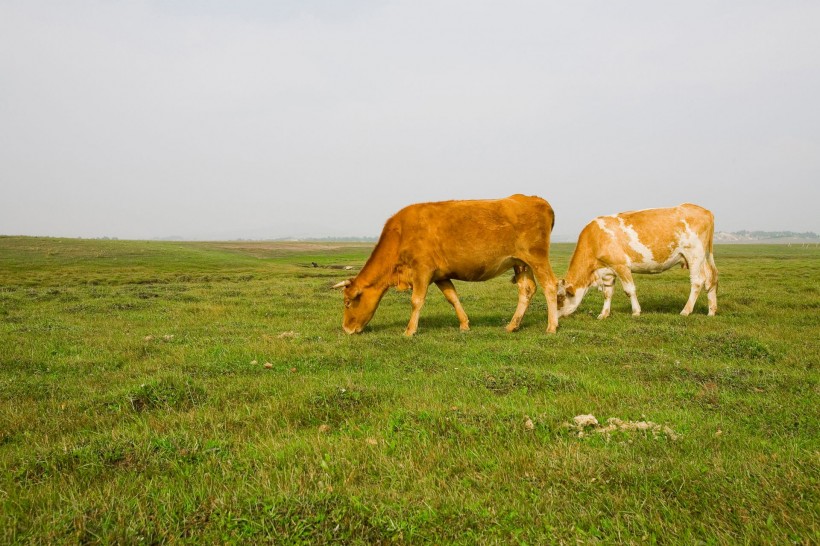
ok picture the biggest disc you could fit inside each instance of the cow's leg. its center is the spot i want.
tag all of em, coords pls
(449, 291)
(526, 290)
(625, 276)
(549, 284)
(697, 278)
(711, 284)
(417, 301)
(608, 280)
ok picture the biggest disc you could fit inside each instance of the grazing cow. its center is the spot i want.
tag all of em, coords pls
(463, 240)
(644, 241)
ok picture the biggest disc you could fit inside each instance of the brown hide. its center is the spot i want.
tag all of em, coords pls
(473, 240)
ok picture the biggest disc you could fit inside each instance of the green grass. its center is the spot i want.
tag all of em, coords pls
(135, 405)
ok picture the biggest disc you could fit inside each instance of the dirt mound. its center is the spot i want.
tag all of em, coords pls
(586, 424)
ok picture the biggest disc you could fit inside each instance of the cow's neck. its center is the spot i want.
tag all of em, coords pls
(380, 270)
(581, 272)
(374, 275)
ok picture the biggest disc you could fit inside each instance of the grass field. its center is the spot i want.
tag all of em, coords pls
(136, 405)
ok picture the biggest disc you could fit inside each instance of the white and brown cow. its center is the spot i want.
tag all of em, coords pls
(473, 240)
(644, 241)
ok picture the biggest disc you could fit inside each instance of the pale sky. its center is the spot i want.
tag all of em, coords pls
(258, 119)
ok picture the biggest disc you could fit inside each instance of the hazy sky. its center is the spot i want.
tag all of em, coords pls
(206, 119)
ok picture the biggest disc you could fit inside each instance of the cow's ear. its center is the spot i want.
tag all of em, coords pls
(570, 290)
(352, 292)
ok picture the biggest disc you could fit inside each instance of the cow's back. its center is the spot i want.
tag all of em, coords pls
(651, 239)
(469, 239)
(451, 225)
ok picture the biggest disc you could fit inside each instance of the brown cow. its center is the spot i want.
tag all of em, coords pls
(644, 241)
(463, 240)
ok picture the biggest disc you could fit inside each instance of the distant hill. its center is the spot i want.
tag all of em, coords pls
(780, 237)
(351, 239)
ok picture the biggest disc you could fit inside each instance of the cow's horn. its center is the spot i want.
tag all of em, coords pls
(342, 284)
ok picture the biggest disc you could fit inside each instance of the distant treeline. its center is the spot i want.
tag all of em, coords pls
(776, 234)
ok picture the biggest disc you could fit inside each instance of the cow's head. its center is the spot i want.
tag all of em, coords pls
(360, 304)
(568, 298)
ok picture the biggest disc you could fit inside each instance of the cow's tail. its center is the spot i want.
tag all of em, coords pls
(552, 227)
(710, 257)
(710, 242)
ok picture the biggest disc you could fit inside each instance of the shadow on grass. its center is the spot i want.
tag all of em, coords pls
(446, 321)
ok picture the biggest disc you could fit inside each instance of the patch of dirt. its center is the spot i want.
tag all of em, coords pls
(586, 424)
(265, 248)
(268, 246)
